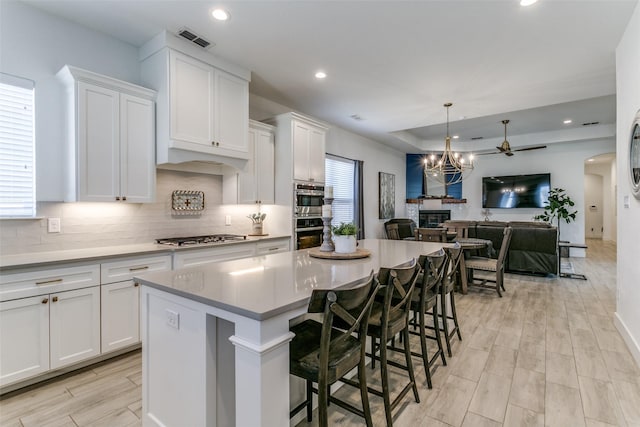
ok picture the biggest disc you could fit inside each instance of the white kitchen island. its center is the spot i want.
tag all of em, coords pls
(215, 338)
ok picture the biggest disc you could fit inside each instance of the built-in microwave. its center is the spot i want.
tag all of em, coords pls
(308, 199)
(308, 232)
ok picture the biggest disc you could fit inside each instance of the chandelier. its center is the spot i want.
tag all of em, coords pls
(449, 167)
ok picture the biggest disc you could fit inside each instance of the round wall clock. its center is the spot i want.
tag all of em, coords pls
(634, 156)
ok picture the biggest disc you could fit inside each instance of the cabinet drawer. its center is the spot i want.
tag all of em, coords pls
(29, 283)
(272, 247)
(125, 269)
(206, 256)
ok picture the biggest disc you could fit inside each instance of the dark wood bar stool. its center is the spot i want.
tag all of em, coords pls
(323, 353)
(425, 302)
(447, 287)
(389, 317)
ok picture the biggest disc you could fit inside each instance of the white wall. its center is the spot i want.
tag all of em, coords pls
(35, 45)
(565, 162)
(628, 103)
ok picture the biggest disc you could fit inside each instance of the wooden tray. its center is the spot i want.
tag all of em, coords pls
(359, 253)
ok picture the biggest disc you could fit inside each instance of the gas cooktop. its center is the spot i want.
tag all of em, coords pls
(200, 240)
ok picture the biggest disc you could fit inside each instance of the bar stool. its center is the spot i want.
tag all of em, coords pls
(424, 302)
(446, 289)
(323, 353)
(389, 317)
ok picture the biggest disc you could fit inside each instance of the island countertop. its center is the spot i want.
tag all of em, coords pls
(265, 286)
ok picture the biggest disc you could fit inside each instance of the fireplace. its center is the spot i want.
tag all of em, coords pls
(431, 219)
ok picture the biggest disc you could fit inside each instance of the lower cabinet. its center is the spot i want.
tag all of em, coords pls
(24, 338)
(120, 315)
(48, 332)
(74, 326)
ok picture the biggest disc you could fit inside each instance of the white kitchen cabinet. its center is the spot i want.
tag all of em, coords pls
(202, 110)
(256, 183)
(120, 315)
(111, 136)
(24, 338)
(120, 298)
(74, 326)
(300, 152)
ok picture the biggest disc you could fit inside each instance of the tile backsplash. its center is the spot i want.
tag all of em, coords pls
(87, 225)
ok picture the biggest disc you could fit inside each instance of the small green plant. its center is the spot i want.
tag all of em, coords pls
(557, 208)
(345, 229)
(257, 218)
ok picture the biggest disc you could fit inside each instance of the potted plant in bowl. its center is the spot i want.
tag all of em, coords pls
(344, 237)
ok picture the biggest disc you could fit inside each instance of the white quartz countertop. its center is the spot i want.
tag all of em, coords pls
(265, 286)
(41, 259)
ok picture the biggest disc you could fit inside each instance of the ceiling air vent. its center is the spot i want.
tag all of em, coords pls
(477, 137)
(194, 38)
(590, 123)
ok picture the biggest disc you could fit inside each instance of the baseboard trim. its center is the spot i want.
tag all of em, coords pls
(632, 344)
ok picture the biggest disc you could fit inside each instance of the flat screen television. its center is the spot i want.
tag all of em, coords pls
(516, 191)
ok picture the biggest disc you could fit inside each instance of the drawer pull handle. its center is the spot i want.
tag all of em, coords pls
(273, 249)
(46, 300)
(146, 267)
(54, 299)
(49, 281)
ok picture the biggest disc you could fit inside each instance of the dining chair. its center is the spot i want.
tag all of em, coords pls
(490, 265)
(425, 302)
(390, 317)
(323, 353)
(431, 234)
(392, 231)
(460, 227)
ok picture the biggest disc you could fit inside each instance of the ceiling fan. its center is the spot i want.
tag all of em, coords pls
(505, 148)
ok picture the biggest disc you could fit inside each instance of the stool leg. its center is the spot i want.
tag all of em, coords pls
(407, 356)
(436, 327)
(385, 379)
(364, 393)
(323, 398)
(445, 323)
(454, 314)
(309, 400)
(425, 354)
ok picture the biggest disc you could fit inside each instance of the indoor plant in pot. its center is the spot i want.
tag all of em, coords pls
(344, 237)
(557, 208)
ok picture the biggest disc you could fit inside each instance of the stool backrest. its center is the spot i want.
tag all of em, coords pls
(398, 285)
(452, 270)
(433, 267)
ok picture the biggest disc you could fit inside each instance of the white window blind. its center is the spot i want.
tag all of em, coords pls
(17, 147)
(340, 174)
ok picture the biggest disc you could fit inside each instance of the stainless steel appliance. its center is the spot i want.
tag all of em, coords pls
(200, 240)
(308, 199)
(308, 232)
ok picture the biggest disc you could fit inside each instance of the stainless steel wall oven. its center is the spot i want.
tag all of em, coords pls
(307, 214)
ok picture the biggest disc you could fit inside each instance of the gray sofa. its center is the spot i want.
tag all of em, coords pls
(533, 248)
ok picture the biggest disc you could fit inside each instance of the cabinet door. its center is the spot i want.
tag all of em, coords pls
(24, 338)
(120, 315)
(316, 153)
(265, 167)
(74, 323)
(137, 154)
(301, 136)
(98, 153)
(247, 191)
(191, 99)
(232, 112)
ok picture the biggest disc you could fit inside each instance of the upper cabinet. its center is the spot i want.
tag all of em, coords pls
(254, 184)
(111, 139)
(300, 152)
(202, 109)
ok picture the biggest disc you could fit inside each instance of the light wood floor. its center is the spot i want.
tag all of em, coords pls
(546, 354)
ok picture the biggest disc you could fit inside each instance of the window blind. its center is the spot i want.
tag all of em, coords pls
(17, 147)
(340, 174)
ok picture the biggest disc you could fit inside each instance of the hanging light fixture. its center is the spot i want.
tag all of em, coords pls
(449, 167)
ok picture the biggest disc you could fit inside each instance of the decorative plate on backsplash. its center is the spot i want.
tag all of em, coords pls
(187, 202)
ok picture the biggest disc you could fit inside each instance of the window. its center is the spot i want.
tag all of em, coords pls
(340, 174)
(17, 147)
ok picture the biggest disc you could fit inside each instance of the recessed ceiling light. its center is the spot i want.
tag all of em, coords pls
(590, 160)
(566, 122)
(456, 136)
(527, 2)
(321, 75)
(220, 14)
